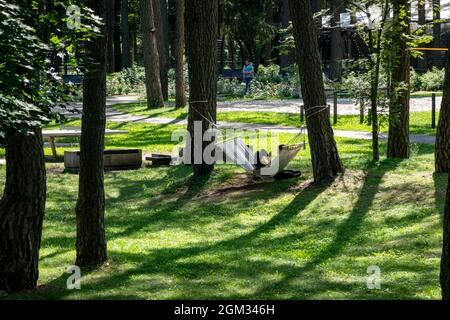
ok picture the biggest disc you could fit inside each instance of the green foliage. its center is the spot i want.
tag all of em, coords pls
(126, 81)
(29, 87)
(432, 80)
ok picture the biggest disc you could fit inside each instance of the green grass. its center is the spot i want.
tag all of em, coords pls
(173, 238)
(420, 122)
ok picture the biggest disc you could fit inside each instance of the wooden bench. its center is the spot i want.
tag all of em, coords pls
(114, 159)
(51, 135)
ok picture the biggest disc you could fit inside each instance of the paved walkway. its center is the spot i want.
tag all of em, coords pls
(418, 104)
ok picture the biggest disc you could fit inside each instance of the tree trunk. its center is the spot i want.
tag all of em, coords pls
(445, 258)
(151, 57)
(202, 24)
(268, 44)
(172, 25)
(232, 52)
(162, 52)
(398, 142)
(22, 211)
(337, 43)
(442, 157)
(91, 241)
(109, 21)
(422, 61)
(117, 32)
(125, 35)
(180, 99)
(437, 29)
(286, 60)
(325, 158)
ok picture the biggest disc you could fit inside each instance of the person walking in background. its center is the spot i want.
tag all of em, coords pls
(248, 74)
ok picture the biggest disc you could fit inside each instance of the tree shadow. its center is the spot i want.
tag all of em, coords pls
(345, 231)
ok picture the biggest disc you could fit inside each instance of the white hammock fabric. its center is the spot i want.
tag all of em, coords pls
(236, 151)
(286, 153)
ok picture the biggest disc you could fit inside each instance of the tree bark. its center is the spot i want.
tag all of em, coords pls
(325, 157)
(117, 36)
(445, 258)
(437, 29)
(180, 99)
(202, 24)
(337, 43)
(91, 240)
(398, 141)
(109, 21)
(126, 61)
(286, 60)
(172, 25)
(162, 52)
(151, 57)
(442, 156)
(232, 52)
(22, 211)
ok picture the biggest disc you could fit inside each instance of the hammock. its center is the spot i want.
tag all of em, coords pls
(236, 151)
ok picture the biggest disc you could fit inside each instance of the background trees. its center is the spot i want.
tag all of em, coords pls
(151, 56)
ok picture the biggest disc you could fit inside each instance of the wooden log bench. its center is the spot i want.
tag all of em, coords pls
(114, 159)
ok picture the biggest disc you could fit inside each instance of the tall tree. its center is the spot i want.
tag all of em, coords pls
(325, 157)
(91, 240)
(437, 29)
(202, 26)
(125, 29)
(442, 150)
(28, 94)
(151, 57)
(22, 211)
(445, 258)
(111, 62)
(180, 99)
(337, 43)
(398, 141)
(158, 8)
(117, 36)
(286, 59)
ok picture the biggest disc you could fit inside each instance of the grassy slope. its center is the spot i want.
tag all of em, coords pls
(285, 239)
(420, 121)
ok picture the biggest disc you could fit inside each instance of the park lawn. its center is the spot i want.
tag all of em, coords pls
(173, 238)
(420, 122)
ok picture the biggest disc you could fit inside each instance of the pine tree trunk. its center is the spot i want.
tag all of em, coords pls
(325, 157)
(232, 52)
(442, 156)
(337, 43)
(445, 258)
(172, 25)
(202, 26)
(398, 142)
(180, 100)
(151, 57)
(91, 240)
(22, 211)
(125, 35)
(117, 32)
(162, 52)
(437, 29)
(109, 21)
(286, 60)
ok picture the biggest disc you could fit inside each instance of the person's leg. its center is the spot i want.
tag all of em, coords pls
(247, 85)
